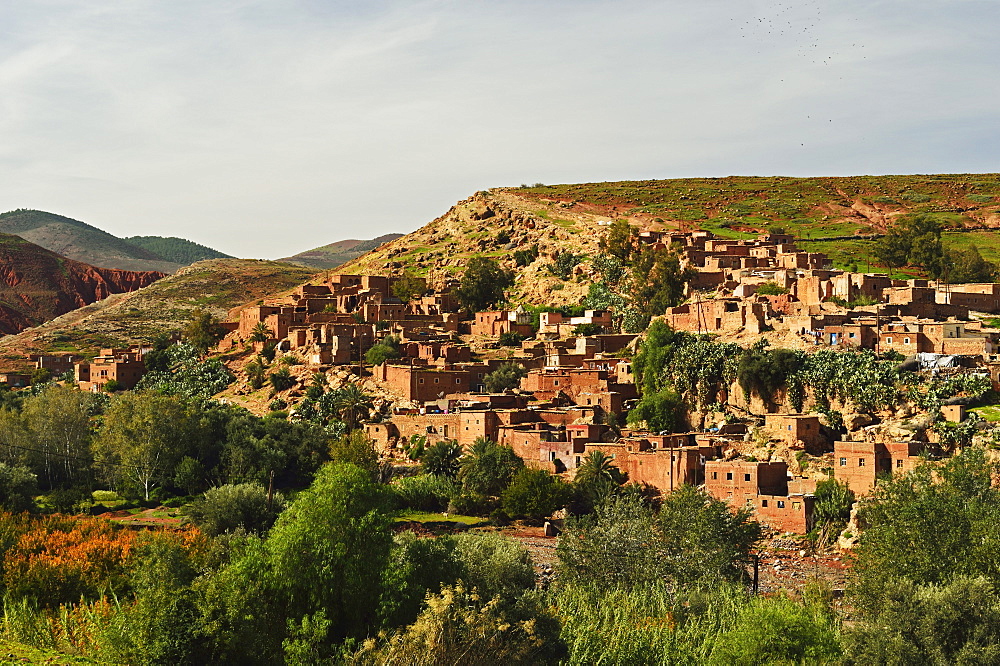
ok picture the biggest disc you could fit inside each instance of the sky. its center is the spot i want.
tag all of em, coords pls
(264, 128)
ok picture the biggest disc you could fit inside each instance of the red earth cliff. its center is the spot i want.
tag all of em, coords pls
(37, 285)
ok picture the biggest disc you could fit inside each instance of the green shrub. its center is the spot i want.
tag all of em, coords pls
(426, 492)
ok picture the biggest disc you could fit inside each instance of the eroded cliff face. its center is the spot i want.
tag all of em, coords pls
(37, 285)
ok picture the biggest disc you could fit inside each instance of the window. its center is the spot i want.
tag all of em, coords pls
(899, 464)
(850, 335)
(781, 504)
(796, 505)
(763, 503)
(888, 341)
(715, 475)
(458, 380)
(555, 382)
(843, 462)
(789, 427)
(437, 380)
(421, 380)
(861, 462)
(746, 477)
(729, 476)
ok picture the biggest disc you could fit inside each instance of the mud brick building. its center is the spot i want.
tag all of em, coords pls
(859, 464)
(126, 367)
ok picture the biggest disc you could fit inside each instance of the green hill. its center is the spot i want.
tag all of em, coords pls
(843, 208)
(177, 250)
(81, 241)
(339, 253)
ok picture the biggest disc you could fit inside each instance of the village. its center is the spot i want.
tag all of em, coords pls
(578, 383)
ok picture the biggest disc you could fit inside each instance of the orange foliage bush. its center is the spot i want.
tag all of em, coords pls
(56, 559)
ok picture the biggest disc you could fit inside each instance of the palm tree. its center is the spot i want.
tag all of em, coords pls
(352, 405)
(260, 333)
(597, 478)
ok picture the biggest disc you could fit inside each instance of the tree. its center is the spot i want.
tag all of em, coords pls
(243, 506)
(535, 494)
(352, 405)
(507, 376)
(441, 459)
(661, 411)
(694, 539)
(407, 287)
(142, 438)
(18, 487)
(356, 448)
(488, 468)
(596, 479)
(619, 240)
(928, 526)
(329, 549)
(833, 505)
(564, 264)
(385, 350)
(483, 285)
(969, 266)
(57, 426)
(658, 281)
(203, 331)
(957, 622)
(281, 379)
(260, 333)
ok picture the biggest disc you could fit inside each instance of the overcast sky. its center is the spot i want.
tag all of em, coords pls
(264, 128)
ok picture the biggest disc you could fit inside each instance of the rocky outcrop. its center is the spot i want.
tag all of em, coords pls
(37, 285)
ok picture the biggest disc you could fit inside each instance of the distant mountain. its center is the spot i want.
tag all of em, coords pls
(178, 250)
(37, 285)
(339, 253)
(81, 241)
(216, 285)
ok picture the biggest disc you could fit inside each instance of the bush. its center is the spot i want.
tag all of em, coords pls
(236, 507)
(17, 488)
(535, 494)
(281, 380)
(771, 289)
(511, 339)
(425, 492)
(507, 376)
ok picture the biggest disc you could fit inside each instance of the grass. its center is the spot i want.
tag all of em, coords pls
(424, 517)
(16, 653)
(989, 412)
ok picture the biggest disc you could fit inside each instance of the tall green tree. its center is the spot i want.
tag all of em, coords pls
(143, 437)
(483, 285)
(203, 331)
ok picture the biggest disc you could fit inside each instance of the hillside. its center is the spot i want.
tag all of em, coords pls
(217, 285)
(336, 254)
(840, 216)
(37, 285)
(81, 241)
(177, 250)
(811, 208)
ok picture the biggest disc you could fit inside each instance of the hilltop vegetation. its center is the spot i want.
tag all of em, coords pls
(81, 241)
(967, 205)
(178, 250)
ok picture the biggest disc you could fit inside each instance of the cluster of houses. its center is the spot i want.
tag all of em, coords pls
(805, 297)
(578, 387)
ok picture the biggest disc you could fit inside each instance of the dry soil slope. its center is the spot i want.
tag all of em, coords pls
(37, 285)
(81, 241)
(217, 285)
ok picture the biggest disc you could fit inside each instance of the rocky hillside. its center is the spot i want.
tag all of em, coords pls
(339, 253)
(217, 285)
(81, 241)
(838, 216)
(37, 285)
(495, 224)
